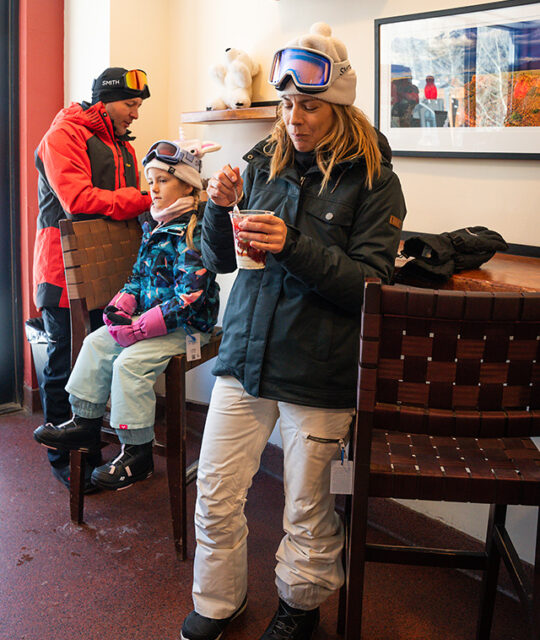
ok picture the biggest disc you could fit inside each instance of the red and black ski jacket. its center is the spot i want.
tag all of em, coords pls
(85, 172)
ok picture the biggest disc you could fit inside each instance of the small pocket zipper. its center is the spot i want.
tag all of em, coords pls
(325, 440)
(339, 441)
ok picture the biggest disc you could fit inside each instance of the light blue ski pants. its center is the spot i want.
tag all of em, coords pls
(126, 374)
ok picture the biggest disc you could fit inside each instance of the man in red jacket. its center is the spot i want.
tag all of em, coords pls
(87, 169)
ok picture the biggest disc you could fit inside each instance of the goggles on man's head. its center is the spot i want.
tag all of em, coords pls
(171, 153)
(135, 79)
(310, 70)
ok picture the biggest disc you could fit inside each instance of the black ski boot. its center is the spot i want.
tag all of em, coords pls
(77, 434)
(134, 463)
(289, 623)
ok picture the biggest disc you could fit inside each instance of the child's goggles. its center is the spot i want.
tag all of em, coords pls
(171, 153)
(311, 71)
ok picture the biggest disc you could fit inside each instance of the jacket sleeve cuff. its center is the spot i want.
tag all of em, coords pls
(152, 323)
(290, 243)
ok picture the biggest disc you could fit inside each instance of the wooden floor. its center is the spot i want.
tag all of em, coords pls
(117, 578)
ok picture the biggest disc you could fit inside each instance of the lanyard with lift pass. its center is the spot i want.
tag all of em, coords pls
(193, 344)
(342, 470)
(342, 473)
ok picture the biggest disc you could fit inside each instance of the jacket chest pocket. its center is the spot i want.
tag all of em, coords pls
(330, 224)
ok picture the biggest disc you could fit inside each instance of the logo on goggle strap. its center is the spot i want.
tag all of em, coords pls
(343, 70)
(106, 82)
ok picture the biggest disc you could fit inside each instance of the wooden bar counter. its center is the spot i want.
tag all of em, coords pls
(504, 272)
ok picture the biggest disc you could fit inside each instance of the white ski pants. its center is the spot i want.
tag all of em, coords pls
(237, 429)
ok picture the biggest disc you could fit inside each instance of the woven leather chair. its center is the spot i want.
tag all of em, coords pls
(98, 258)
(448, 399)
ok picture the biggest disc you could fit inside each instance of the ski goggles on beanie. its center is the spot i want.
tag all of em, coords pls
(170, 153)
(135, 79)
(311, 71)
(170, 157)
(117, 83)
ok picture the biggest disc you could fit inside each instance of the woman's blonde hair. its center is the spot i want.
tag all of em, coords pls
(350, 136)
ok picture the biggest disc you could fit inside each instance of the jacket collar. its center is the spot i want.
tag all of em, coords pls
(92, 116)
(126, 137)
(175, 226)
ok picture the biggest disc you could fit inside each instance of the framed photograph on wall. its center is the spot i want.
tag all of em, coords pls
(460, 83)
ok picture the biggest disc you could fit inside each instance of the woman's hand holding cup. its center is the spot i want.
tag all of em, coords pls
(263, 232)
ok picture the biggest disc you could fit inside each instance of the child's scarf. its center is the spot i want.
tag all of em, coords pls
(174, 210)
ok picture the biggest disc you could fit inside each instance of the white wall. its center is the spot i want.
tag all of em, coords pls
(141, 38)
(176, 42)
(134, 34)
(86, 46)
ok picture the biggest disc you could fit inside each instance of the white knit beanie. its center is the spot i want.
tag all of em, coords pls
(181, 170)
(319, 38)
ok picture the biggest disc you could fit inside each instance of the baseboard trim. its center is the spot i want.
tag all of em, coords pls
(31, 399)
(10, 407)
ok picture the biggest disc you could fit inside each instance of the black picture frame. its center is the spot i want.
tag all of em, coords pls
(485, 60)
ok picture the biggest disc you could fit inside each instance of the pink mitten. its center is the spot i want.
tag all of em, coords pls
(150, 325)
(123, 305)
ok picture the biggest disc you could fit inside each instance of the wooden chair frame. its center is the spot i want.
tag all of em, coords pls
(98, 258)
(448, 400)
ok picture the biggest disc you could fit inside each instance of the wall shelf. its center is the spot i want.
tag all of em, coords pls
(252, 114)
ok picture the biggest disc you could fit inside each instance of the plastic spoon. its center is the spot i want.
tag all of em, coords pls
(236, 210)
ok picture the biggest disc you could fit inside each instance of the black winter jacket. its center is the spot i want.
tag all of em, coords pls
(290, 331)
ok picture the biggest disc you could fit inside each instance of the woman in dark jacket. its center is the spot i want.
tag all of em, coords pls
(290, 340)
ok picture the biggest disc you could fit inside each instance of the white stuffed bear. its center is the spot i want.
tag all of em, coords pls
(235, 78)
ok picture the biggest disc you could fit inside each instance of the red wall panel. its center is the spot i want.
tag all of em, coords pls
(41, 91)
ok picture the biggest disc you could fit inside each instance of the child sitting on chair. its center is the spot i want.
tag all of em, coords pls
(170, 298)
